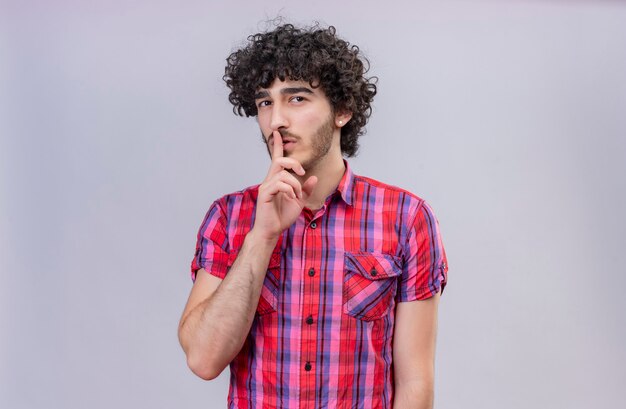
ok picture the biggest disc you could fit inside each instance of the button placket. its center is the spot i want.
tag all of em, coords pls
(309, 343)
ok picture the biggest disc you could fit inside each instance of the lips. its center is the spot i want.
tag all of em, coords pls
(288, 141)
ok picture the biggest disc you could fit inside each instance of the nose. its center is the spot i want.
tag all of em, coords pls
(279, 118)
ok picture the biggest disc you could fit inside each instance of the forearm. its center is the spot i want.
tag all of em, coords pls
(214, 331)
(417, 394)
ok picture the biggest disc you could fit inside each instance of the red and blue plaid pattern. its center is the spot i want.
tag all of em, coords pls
(322, 337)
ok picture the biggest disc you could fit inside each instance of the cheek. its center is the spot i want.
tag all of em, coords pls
(312, 120)
(263, 123)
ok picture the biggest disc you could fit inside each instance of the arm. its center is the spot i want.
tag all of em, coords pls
(414, 339)
(219, 313)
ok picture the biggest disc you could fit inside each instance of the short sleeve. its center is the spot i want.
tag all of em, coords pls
(425, 270)
(212, 244)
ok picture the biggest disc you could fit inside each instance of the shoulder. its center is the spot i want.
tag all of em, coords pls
(407, 201)
(244, 197)
(232, 207)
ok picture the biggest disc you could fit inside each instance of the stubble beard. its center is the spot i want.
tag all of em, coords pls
(321, 142)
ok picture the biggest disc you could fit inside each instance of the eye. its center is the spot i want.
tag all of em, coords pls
(263, 103)
(298, 98)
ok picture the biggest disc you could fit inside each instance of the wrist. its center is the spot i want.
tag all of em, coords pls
(262, 239)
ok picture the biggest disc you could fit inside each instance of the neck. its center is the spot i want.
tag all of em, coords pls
(329, 173)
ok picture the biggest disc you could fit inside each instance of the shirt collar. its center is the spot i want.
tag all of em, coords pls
(345, 187)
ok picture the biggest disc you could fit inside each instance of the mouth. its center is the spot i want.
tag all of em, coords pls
(288, 141)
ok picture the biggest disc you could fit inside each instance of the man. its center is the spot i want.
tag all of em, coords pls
(318, 287)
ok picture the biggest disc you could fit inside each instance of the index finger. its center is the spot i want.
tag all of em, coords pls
(277, 146)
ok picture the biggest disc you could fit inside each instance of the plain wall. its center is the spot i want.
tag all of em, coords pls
(116, 136)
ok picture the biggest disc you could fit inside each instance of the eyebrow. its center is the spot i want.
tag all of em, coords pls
(284, 91)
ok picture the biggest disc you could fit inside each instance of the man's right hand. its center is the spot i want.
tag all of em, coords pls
(281, 195)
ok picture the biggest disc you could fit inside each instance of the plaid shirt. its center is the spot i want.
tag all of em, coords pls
(322, 335)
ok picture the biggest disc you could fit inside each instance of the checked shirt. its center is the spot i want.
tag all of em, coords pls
(322, 334)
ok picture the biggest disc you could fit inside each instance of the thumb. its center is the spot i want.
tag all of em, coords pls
(309, 185)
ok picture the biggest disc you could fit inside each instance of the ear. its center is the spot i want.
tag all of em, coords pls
(342, 118)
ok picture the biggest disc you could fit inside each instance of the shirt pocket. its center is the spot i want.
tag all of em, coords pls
(369, 284)
(268, 301)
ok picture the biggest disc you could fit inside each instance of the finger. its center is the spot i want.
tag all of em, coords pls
(288, 178)
(277, 146)
(287, 163)
(291, 180)
(286, 189)
(289, 185)
(309, 185)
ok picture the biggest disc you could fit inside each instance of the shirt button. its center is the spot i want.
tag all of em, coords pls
(311, 272)
(313, 225)
(309, 319)
(307, 366)
(374, 273)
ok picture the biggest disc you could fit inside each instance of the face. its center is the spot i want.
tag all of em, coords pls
(303, 116)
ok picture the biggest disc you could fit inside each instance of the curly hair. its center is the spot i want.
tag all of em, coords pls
(315, 55)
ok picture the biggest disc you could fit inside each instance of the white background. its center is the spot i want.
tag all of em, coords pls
(116, 135)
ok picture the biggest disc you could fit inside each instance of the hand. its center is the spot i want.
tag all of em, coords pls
(281, 195)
